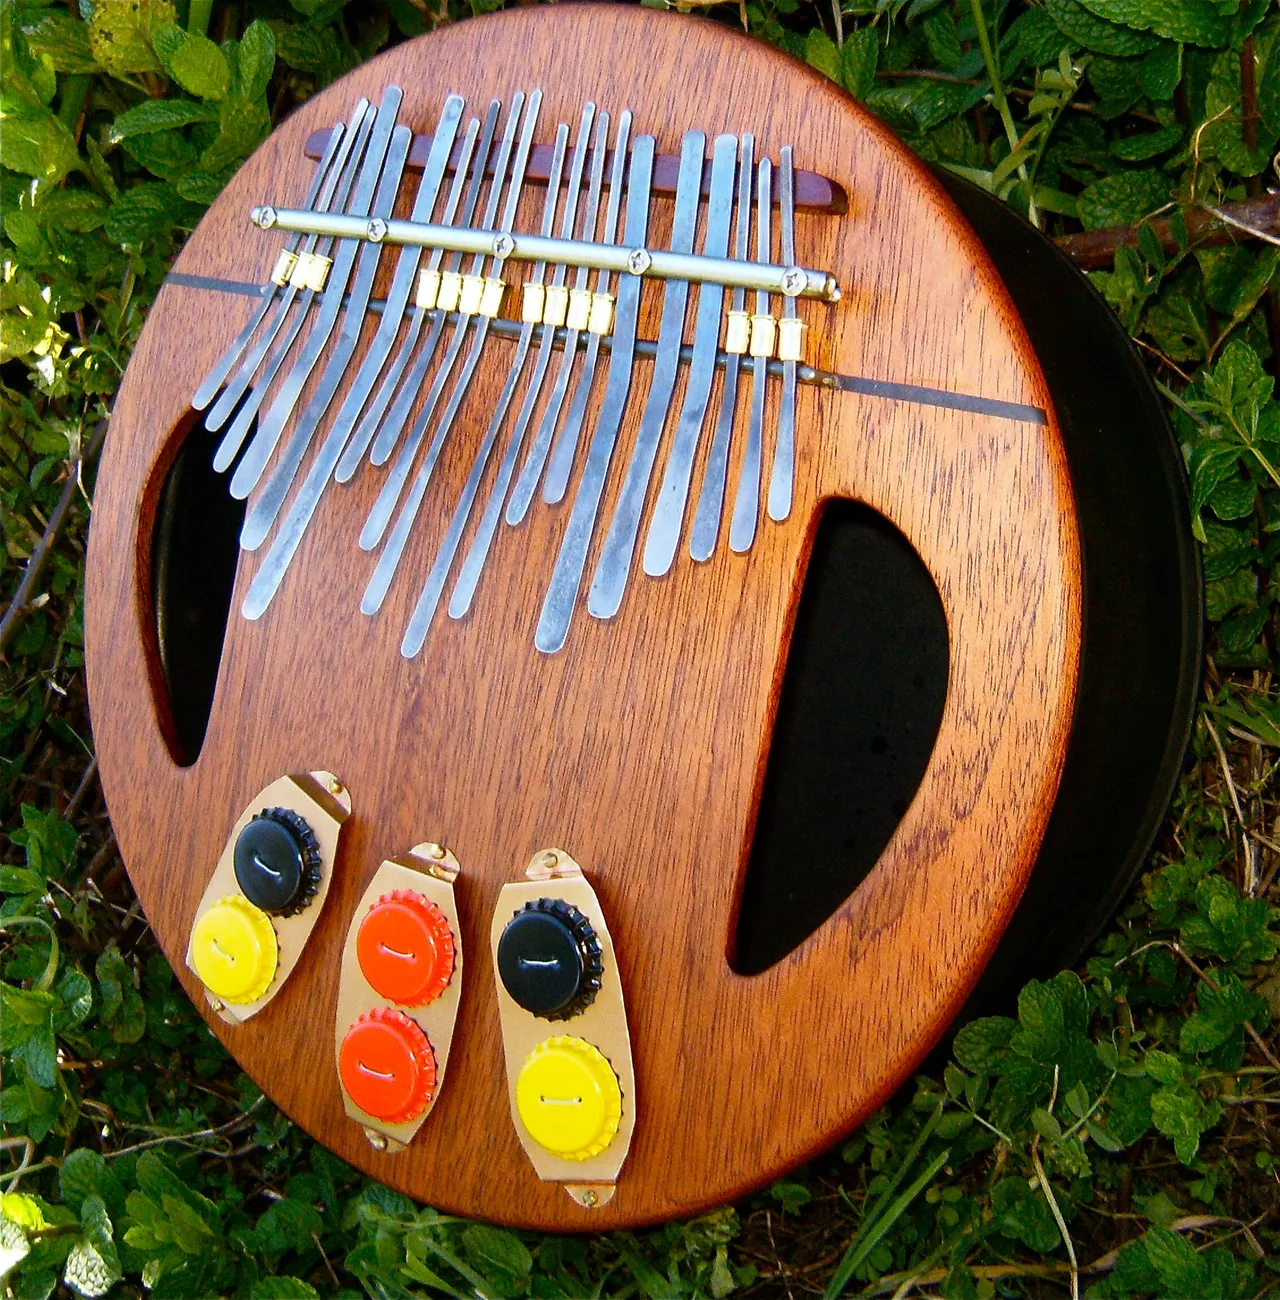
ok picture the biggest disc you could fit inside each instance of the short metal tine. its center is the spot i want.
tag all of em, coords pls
(262, 514)
(706, 519)
(269, 576)
(474, 562)
(393, 309)
(272, 425)
(782, 479)
(566, 447)
(396, 417)
(424, 610)
(566, 579)
(610, 580)
(668, 510)
(384, 571)
(347, 167)
(555, 403)
(746, 505)
(222, 368)
(383, 508)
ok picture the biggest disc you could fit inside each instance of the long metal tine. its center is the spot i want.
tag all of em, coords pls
(383, 573)
(472, 565)
(272, 424)
(222, 368)
(262, 513)
(267, 580)
(368, 425)
(706, 519)
(398, 416)
(347, 167)
(551, 415)
(567, 444)
(424, 201)
(668, 510)
(562, 594)
(746, 506)
(610, 581)
(782, 479)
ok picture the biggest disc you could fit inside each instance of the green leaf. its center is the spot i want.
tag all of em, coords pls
(123, 1012)
(1198, 22)
(1138, 148)
(75, 210)
(256, 60)
(1160, 71)
(1020, 1211)
(85, 1173)
(1220, 1013)
(120, 33)
(944, 42)
(144, 211)
(979, 1043)
(200, 67)
(1223, 134)
(1122, 199)
(61, 40)
(500, 1255)
(1094, 33)
(820, 52)
(242, 127)
(161, 115)
(859, 58)
(36, 143)
(282, 1288)
(1176, 1262)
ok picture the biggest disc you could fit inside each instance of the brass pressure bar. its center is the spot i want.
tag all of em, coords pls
(657, 264)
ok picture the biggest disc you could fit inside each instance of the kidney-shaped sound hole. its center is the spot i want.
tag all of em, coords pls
(194, 548)
(861, 702)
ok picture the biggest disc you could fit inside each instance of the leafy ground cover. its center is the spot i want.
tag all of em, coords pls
(1112, 1135)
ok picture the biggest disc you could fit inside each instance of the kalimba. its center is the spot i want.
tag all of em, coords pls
(596, 582)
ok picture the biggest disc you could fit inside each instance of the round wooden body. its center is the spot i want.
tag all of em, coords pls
(640, 747)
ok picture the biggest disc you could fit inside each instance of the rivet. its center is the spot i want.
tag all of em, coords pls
(639, 261)
(549, 860)
(376, 230)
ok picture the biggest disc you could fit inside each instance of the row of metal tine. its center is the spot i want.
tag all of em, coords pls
(360, 174)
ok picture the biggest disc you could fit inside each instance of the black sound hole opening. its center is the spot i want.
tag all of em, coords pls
(194, 549)
(861, 702)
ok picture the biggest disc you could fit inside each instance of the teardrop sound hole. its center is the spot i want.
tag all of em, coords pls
(861, 703)
(194, 550)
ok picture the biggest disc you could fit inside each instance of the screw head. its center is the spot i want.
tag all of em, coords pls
(793, 281)
(263, 217)
(639, 261)
(549, 860)
(503, 245)
(435, 851)
(376, 230)
(377, 1141)
(335, 786)
(590, 1199)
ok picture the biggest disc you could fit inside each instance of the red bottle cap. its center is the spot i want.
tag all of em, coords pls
(387, 1066)
(405, 948)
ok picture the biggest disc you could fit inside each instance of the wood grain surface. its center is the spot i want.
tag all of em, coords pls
(641, 746)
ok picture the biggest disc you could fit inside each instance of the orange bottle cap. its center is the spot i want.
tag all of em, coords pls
(387, 1066)
(405, 948)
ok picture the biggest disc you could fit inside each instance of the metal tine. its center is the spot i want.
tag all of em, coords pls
(376, 524)
(668, 510)
(559, 273)
(782, 479)
(376, 590)
(350, 461)
(346, 169)
(610, 581)
(424, 611)
(262, 513)
(406, 268)
(269, 576)
(484, 536)
(551, 415)
(222, 368)
(567, 444)
(746, 506)
(706, 519)
(562, 594)
(272, 424)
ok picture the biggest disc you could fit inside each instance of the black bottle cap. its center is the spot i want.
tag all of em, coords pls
(277, 860)
(549, 959)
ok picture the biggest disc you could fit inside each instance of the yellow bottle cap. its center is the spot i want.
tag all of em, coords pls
(234, 951)
(568, 1098)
